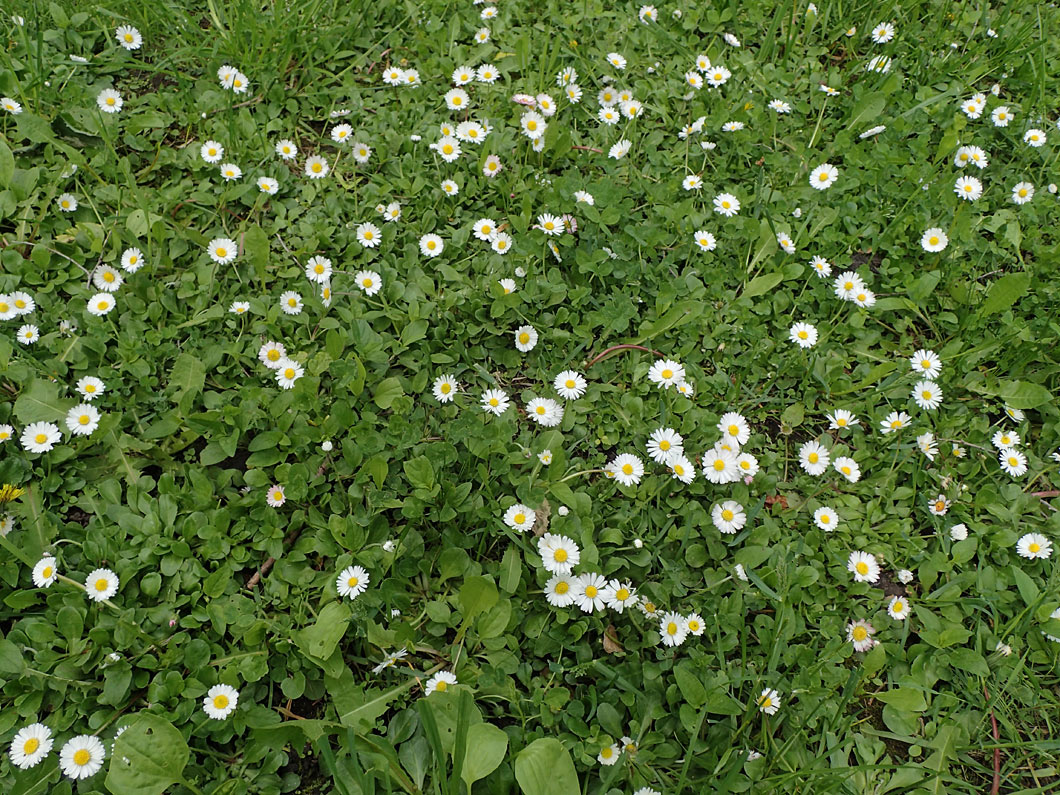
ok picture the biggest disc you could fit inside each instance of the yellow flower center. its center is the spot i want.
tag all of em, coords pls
(448, 149)
(220, 701)
(1033, 547)
(277, 495)
(803, 335)
(719, 465)
(671, 628)
(680, 470)
(519, 518)
(649, 607)
(90, 388)
(352, 582)
(317, 168)
(860, 633)
(31, 745)
(84, 419)
(926, 394)
(767, 702)
(627, 469)
(591, 591)
(129, 37)
(1023, 191)
(524, 338)
(606, 753)
(562, 587)
(102, 584)
(896, 424)
(47, 571)
(667, 373)
(862, 568)
(813, 457)
(41, 438)
(940, 505)
(845, 470)
(1012, 461)
(110, 100)
(441, 686)
(693, 625)
(725, 204)
(531, 125)
(82, 757)
(560, 556)
(664, 444)
(292, 302)
(622, 594)
(823, 177)
(222, 251)
(446, 388)
(494, 402)
(825, 518)
(727, 515)
(898, 607)
(540, 410)
(431, 245)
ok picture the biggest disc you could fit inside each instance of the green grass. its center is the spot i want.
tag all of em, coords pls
(217, 587)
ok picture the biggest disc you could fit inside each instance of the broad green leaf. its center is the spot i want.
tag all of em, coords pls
(149, 757)
(486, 746)
(40, 402)
(760, 285)
(320, 639)
(419, 472)
(187, 377)
(1005, 292)
(1025, 585)
(370, 705)
(387, 392)
(906, 699)
(1024, 395)
(7, 164)
(868, 108)
(511, 570)
(477, 595)
(690, 685)
(545, 768)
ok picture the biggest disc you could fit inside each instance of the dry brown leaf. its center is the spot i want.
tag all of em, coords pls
(611, 644)
(541, 522)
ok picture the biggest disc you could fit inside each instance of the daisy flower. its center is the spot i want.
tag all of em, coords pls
(10, 105)
(1035, 138)
(82, 420)
(368, 281)
(285, 148)
(826, 519)
(814, 458)
(445, 388)
(883, 33)
(847, 285)
(28, 334)
(519, 517)
(109, 101)
(1034, 545)
(431, 245)
(291, 303)
(720, 467)
(132, 260)
(734, 427)
(927, 395)
(450, 187)
(619, 150)
(90, 387)
(275, 496)
(803, 334)
(439, 683)
(570, 385)
(860, 633)
(82, 757)
(30, 744)
(939, 506)
(926, 363)
(316, 167)
(769, 701)
(728, 517)
(101, 584)
(848, 468)
(672, 629)
(352, 582)
(863, 566)
(288, 373)
(841, 418)
(1013, 462)
(67, 202)
(493, 166)
(664, 443)
(705, 240)
(1022, 192)
(898, 608)
(559, 590)
(40, 437)
(934, 240)
(823, 176)
(666, 373)
(681, 468)
(619, 595)
(268, 185)
(525, 338)
(368, 235)
(45, 572)
(318, 269)
(495, 401)
(968, 188)
(220, 701)
(1004, 439)
(628, 469)
(501, 242)
(821, 267)
(559, 554)
(589, 592)
(230, 172)
(222, 250)
(895, 421)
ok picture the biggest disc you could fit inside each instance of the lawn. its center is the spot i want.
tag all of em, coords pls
(529, 397)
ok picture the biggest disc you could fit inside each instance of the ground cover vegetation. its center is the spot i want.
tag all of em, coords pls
(438, 397)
